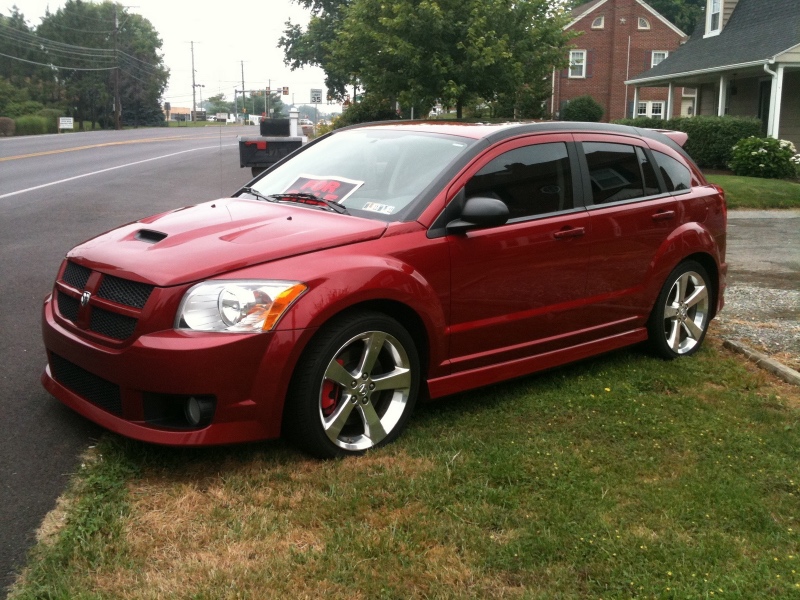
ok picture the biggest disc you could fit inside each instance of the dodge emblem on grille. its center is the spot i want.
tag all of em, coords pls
(85, 298)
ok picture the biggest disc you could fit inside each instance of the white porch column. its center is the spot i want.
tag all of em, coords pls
(668, 112)
(775, 104)
(635, 102)
(723, 96)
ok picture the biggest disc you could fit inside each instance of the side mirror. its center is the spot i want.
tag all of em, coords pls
(480, 212)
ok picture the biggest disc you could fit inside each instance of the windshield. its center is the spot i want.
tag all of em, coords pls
(373, 173)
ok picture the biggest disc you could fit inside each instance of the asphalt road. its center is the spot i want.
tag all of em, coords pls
(56, 191)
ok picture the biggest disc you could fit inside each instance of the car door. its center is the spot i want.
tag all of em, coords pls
(631, 217)
(517, 289)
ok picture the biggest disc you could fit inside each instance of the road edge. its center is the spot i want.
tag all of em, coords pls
(787, 374)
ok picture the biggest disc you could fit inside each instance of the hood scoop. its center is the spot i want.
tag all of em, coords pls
(150, 236)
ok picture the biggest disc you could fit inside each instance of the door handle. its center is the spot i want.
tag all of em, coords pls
(664, 215)
(571, 232)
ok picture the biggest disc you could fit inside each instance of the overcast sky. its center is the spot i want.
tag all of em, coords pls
(223, 36)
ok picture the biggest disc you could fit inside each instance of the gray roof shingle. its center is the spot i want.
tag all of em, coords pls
(756, 31)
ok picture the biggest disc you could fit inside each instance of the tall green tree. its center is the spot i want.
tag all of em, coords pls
(315, 45)
(418, 51)
(103, 42)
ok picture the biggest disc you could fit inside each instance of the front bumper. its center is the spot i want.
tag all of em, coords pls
(247, 375)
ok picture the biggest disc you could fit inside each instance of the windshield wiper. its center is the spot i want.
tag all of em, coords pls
(257, 194)
(309, 199)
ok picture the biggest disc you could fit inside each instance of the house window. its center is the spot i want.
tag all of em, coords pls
(577, 64)
(644, 23)
(599, 23)
(658, 56)
(657, 110)
(653, 109)
(715, 19)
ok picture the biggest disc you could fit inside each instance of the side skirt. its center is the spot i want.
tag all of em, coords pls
(466, 380)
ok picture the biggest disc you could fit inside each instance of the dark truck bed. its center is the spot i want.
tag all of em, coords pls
(260, 152)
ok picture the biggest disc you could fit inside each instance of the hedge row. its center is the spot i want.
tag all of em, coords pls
(711, 139)
(43, 121)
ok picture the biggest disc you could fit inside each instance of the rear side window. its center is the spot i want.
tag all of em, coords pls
(676, 175)
(531, 180)
(619, 172)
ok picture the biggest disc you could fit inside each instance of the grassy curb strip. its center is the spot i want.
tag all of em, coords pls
(757, 193)
(621, 477)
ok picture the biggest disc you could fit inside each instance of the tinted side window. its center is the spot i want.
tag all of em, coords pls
(676, 175)
(531, 180)
(618, 172)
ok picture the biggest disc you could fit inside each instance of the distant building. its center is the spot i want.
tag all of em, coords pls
(618, 40)
(745, 61)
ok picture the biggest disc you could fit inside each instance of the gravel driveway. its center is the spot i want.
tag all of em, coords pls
(762, 303)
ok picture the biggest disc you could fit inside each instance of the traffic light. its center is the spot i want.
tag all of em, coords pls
(286, 91)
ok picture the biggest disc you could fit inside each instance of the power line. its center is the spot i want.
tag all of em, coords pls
(52, 66)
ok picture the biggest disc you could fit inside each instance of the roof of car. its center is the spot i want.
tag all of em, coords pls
(494, 131)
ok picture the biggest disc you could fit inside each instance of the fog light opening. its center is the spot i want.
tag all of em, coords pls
(198, 411)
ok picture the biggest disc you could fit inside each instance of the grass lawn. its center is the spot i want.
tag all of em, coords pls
(757, 193)
(621, 477)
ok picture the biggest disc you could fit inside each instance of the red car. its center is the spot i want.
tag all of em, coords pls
(379, 264)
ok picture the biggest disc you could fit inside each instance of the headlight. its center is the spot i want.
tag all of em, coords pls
(237, 306)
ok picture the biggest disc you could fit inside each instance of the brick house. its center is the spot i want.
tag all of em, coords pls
(618, 40)
(743, 61)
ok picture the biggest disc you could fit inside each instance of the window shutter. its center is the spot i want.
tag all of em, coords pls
(589, 62)
(648, 60)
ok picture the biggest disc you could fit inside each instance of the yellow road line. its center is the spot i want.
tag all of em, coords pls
(147, 140)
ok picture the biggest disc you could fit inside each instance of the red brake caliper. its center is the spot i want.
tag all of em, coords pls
(331, 394)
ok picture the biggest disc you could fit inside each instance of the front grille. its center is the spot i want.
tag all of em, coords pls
(104, 321)
(68, 306)
(98, 391)
(122, 291)
(113, 325)
(76, 275)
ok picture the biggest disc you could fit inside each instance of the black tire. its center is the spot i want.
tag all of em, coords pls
(256, 171)
(680, 318)
(354, 388)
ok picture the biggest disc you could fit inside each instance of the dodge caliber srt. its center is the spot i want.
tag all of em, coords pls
(380, 264)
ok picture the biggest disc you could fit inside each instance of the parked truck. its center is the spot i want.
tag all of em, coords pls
(279, 138)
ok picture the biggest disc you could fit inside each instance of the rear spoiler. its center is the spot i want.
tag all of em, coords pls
(679, 137)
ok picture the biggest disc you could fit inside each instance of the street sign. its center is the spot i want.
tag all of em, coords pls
(316, 96)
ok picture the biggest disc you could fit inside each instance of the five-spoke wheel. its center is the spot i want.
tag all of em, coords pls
(682, 313)
(355, 387)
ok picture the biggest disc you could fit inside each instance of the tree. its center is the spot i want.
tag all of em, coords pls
(87, 44)
(218, 104)
(418, 51)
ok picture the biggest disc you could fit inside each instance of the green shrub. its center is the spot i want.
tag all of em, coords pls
(646, 123)
(31, 125)
(582, 108)
(711, 139)
(371, 108)
(51, 115)
(764, 157)
(21, 109)
(6, 127)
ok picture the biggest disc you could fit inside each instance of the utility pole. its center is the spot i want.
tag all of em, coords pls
(194, 87)
(117, 102)
(244, 106)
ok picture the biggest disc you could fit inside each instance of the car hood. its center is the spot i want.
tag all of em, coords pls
(197, 242)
